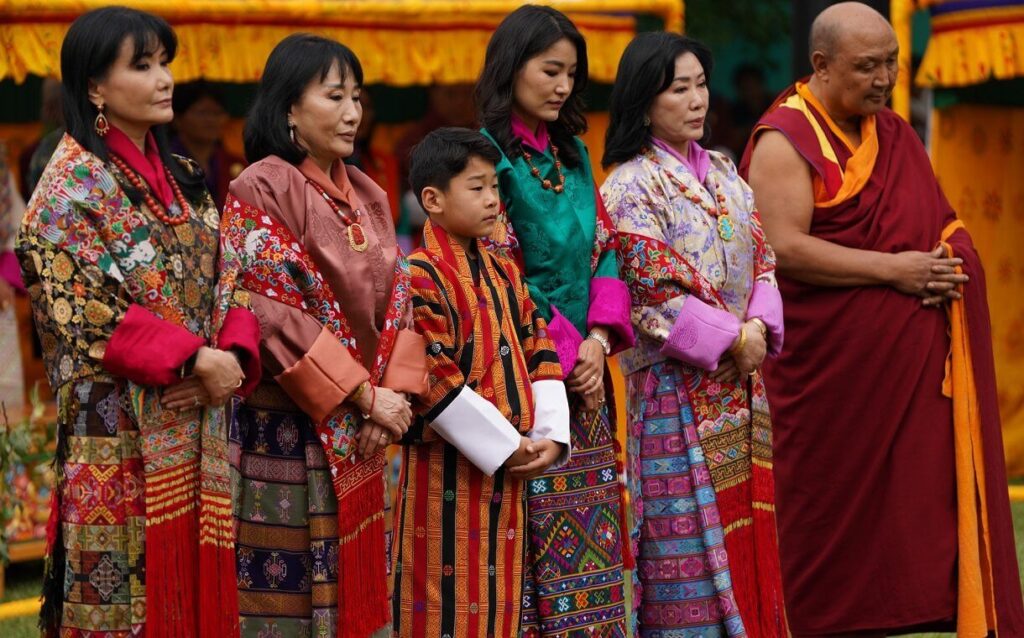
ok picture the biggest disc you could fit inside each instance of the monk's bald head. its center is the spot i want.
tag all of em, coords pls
(854, 55)
(839, 23)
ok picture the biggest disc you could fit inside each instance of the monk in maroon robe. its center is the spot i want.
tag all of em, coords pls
(890, 481)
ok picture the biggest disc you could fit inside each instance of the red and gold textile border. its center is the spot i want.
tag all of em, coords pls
(399, 42)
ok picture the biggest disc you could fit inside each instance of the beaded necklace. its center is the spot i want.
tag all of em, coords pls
(546, 183)
(726, 229)
(356, 237)
(154, 206)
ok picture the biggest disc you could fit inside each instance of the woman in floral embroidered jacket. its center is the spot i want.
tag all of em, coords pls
(143, 348)
(311, 243)
(706, 309)
(528, 97)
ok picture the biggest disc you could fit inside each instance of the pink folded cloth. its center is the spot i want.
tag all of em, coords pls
(610, 308)
(701, 334)
(567, 341)
(766, 304)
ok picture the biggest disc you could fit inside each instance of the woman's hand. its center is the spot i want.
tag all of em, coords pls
(188, 393)
(372, 437)
(594, 401)
(219, 372)
(726, 370)
(751, 355)
(386, 408)
(588, 375)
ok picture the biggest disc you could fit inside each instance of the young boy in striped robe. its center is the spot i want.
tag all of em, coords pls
(496, 413)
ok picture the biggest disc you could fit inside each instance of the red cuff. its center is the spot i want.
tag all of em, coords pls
(149, 350)
(241, 333)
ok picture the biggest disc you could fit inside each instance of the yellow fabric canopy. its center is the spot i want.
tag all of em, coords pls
(973, 45)
(399, 42)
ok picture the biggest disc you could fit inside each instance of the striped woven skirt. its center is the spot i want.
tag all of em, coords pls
(685, 586)
(286, 517)
(575, 583)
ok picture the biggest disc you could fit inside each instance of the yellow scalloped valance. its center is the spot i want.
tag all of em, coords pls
(974, 45)
(972, 41)
(399, 42)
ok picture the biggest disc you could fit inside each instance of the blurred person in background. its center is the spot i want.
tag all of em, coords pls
(199, 120)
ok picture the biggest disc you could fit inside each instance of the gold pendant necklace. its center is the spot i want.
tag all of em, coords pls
(354, 230)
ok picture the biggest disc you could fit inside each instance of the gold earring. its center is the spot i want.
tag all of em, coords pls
(102, 125)
(647, 121)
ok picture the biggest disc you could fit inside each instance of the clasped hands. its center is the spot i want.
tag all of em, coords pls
(932, 276)
(215, 377)
(389, 415)
(587, 377)
(745, 356)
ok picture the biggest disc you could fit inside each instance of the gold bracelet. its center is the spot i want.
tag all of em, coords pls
(358, 392)
(762, 325)
(739, 344)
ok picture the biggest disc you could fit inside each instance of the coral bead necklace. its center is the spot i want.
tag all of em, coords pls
(152, 204)
(544, 182)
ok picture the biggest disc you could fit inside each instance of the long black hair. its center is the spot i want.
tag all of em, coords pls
(647, 68)
(90, 49)
(292, 65)
(522, 35)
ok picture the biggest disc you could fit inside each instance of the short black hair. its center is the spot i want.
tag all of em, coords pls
(293, 64)
(647, 67)
(443, 154)
(88, 52)
(523, 35)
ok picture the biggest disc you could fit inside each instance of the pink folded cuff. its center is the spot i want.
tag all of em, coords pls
(610, 307)
(10, 271)
(323, 377)
(701, 334)
(241, 333)
(567, 341)
(407, 367)
(149, 350)
(766, 305)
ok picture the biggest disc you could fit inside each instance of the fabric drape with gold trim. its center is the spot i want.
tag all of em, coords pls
(400, 42)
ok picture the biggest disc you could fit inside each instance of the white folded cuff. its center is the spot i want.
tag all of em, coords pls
(478, 430)
(551, 416)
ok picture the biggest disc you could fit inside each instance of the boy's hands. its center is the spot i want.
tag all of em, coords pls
(545, 452)
(521, 456)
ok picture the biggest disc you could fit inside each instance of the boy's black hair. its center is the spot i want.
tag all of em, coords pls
(443, 154)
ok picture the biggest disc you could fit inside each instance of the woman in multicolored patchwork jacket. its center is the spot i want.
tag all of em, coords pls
(143, 347)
